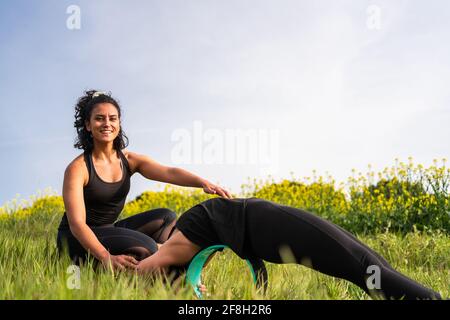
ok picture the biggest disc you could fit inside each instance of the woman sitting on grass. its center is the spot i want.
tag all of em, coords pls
(97, 182)
(259, 229)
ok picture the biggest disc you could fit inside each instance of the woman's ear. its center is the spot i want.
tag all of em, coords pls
(87, 126)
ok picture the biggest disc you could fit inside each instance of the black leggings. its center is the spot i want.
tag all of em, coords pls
(325, 247)
(135, 236)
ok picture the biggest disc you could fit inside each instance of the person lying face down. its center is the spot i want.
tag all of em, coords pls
(257, 229)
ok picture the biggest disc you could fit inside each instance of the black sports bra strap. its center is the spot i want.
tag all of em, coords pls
(88, 160)
(125, 162)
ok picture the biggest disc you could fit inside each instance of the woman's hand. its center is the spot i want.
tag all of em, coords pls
(120, 262)
(211, 188)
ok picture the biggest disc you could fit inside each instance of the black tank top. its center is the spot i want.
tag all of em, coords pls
(103, 201)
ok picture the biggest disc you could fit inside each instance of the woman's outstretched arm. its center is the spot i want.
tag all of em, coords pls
(153, 170)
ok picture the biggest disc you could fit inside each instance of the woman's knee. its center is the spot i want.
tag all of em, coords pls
(168, 214)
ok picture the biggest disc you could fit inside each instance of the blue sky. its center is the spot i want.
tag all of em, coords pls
(340, 94)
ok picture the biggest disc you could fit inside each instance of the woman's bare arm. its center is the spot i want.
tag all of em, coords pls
(153, 170)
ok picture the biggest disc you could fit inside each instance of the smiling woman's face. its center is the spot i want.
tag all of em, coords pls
(104, 123)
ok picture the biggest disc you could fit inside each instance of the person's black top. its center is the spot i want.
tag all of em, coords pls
(216, 222)
(103, 200)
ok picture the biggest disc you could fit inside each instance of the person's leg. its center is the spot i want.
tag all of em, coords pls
(126, 241)
(115, 239)
(323, 246)
(67, 244)
(156, 223)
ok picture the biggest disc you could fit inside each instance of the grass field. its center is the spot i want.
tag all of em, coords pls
(30, 270)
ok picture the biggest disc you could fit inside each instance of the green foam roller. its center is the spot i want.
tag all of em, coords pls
(194, 272)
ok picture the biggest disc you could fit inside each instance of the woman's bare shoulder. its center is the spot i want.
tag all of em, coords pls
(133, 156)
(77, 167)
(129, 154)
(77, 161)
(132, 159)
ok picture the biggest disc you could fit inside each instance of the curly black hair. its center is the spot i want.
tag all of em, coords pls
(83, 110)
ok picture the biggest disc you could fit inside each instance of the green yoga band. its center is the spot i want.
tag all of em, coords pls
(194, 272)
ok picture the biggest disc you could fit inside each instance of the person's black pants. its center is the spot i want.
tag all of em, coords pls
(278, 233)
(135, 236)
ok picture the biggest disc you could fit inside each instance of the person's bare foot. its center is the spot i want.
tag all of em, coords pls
(203, 289)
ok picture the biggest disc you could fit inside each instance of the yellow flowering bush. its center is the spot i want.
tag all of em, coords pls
(404, 198)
